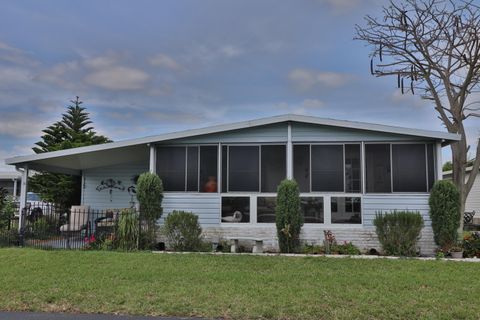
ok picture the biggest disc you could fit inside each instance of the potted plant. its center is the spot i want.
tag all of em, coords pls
(456, 252)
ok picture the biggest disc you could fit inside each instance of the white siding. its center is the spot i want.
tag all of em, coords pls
(473, 199)
(303, 132)
(100, 200)
(206, 206)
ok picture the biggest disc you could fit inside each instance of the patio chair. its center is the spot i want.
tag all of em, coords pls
(78, 219)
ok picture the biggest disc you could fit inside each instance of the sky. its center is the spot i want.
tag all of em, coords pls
(149, 67)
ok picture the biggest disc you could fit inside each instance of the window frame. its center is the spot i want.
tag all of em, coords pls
(434, 160)
(360, 144)
(186, 146)
(259, 145)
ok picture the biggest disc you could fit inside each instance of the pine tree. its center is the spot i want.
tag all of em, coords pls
(73, 131)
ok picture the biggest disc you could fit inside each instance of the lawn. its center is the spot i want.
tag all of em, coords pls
(237, 287)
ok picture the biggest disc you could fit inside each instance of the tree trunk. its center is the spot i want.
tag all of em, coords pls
(459, 160)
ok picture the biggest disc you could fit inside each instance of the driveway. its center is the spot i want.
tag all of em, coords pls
(66, 316)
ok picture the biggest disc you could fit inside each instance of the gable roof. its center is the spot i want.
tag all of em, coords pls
(437, 135)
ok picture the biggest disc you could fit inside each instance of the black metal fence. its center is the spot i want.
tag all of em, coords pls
(48, 227)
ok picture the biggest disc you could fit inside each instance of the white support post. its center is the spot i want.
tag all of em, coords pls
(219, 169)
(153, 159)
(15, 186)
(289, 152)
(438, 161)
(23, 198)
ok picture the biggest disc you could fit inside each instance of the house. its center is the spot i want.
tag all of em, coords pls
(10, 181)
(228, 174)
(473, 199)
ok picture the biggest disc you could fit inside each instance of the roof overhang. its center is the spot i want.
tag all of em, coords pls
(72, 161)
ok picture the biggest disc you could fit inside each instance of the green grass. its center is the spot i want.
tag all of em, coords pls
(239, 287)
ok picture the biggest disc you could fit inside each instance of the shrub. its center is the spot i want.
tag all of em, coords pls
(398, 232)
(347, 248)
(150, 196)
(7, 213)
(127, 230)
(445, 213)
(183, 231)
(43, 228)
(471, 244)
(3, 197)
(289, 219)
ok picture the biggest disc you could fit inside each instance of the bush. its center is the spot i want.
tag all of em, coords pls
(398, 232)
(471, 244)
(43, 228)
(289, 219)
(445, 213)
(183, 231)
(127, 230)
(150, 196)
(7, 213)
(346, 248)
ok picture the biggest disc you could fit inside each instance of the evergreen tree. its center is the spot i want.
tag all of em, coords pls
(72, 131)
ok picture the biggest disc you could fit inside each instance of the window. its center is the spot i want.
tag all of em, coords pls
(378, 171)
(431, 166)
(312, 209)
(224, 168)
(301, 166)
(400, 167)
(243, 168)
(274, 167)
(235, 209)
(409, 168)
(327, 168)
(253, 168)
(352, 168)
(266, 209)
(346, 210)
(171, 167)
(208, 168)
(190, 168)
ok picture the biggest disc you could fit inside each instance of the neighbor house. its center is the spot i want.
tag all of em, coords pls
(473, 199)
(228, 174)
(10, 181)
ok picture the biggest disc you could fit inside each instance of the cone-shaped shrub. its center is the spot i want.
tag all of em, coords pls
(150, 196)
(289, 218)
(445, 213)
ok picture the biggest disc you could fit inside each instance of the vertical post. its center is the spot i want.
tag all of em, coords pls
(219, 169)
(23, 198)
(289, 152)
(14, 188)
(153, 159)
(438, 161)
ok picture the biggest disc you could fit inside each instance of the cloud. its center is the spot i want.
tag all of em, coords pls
(21, 124)
(16, 56)
(341, 6)
(304, 79)
(118, 78)
(164, 61)
(12, 75)
(230, 51)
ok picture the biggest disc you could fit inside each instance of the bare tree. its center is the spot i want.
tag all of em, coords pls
(433, 47)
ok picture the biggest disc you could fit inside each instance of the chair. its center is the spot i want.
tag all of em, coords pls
(468, 221)
(78, 219)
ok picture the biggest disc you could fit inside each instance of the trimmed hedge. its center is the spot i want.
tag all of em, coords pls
(183, 231)
(445, 213)
(289, 218)
(398, 232)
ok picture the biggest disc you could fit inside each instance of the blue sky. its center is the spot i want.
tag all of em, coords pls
(147, 67)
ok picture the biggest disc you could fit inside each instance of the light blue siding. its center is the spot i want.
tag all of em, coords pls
(386, 203)
(303, 132)
(205, 205)
(268, 133)
(100, 200)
